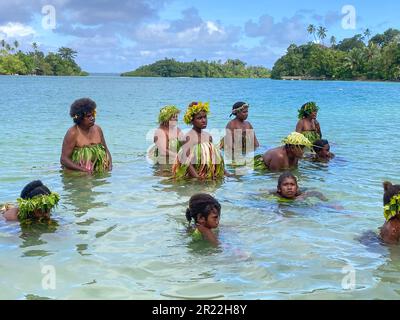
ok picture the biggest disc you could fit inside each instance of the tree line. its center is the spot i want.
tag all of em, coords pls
(13, 61)
(200, 69)
(361, 57)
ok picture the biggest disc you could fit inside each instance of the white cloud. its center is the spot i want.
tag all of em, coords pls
(16, 30)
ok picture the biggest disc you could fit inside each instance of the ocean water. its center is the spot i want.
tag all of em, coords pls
(122, 235)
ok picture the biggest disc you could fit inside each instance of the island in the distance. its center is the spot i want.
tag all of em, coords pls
(200, 69)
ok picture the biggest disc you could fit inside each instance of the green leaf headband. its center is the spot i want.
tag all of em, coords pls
(307, 109)
(194, 109)
(167, 113)
(297, 139)
(42, 202)
(392, 208)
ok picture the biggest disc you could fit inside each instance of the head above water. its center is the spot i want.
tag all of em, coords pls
(321, 148)
(193, 109)
(287, 185)
(36, 201)
(240, 109)
(308, 109)
(82, 108)
(391, 200)
(167, 114)
(201, 206)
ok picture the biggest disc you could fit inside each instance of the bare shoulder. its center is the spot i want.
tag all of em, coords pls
(230, 125)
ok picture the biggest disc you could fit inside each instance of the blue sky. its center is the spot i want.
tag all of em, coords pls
(117, 36)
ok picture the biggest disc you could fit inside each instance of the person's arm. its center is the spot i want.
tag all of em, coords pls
(192, 172)
(67, 149)
(318, 128)
(299, 126)
(228, 139)
(256, 143)
(208, 234)
(103, 141)
(316, 194)
(11, 214)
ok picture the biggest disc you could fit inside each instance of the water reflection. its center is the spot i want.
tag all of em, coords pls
(31, 235)
(80, 193)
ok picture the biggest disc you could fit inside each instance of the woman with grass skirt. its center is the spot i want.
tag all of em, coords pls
(308, 124)
(168, 138)
(84, 147)
(198, 158)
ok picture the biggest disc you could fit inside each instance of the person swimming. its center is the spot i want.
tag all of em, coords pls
(390, 231)
(288, 189)
(322, 151)
(205, 210)
(35, 204)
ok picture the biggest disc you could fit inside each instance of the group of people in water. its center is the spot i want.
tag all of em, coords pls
(194, 155)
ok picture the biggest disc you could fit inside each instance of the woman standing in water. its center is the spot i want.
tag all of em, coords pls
(84, 147)
(308, 124)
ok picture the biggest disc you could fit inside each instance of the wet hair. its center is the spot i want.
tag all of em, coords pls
(33, 189)
(390, 191)
(284, 176)
(81, 107)
(319, 144)
(202, 204)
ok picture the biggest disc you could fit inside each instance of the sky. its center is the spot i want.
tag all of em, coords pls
(119, 36)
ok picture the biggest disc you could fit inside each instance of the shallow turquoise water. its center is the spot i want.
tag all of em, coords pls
(122, 235)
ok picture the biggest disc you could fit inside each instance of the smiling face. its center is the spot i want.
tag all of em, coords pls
(200, 120)
(313, 115)
(288, 188)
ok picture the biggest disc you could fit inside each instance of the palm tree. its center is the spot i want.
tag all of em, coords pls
(3, 43)
(333, 41)
(16, 44)
(67, 53)
(311, 30)
(35, 46)
(367, 34)
(321, 32)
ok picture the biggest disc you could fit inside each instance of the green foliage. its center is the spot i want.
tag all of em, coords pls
(199, 69)
(351, 59)
(36, 63)
(44, 203)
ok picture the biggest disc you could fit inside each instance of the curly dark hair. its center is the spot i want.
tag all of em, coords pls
(202, 204)
(33, 189)
(81, 107)
(390, 190)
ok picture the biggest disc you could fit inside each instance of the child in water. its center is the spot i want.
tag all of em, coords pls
(390, 231)
(205, 210)
(35, 204)
(288, 188)
(322, 151)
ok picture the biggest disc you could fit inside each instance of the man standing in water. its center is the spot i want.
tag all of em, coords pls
(240, 138)
(84, 147)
